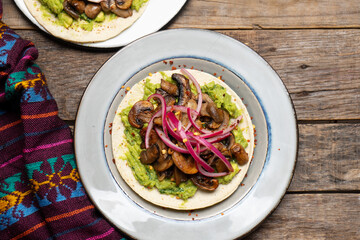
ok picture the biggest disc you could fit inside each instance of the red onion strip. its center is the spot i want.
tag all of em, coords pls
(208, 174)
(149, 127)
(169, 143)
(214, 150)
(198, 89)
(163, 108)
(197, 86)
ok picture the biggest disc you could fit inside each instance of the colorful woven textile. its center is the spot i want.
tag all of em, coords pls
(41, 196)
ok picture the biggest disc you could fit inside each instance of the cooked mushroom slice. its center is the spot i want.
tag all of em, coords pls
(158, 121)
(239, 153)
(123, 4)
(92, 10)
(220, 166)
(163, 165)
(205, 183)
(163, 150)
(203, 111)
(107, 4)
(215, 113)
(229, 141)
(184, 88)
(78, 5)
(169, 99)
(170, 88)
(140, 113)
(165, 174)
(120, 12)
(185, 164)
(150, 155)
(179, 176)
(213, 125)
(225, 122)
(69, 9)
(223, 149)
(153, 137)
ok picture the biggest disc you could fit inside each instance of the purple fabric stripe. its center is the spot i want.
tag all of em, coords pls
(11, 161)
(47, 146)
(102, 235)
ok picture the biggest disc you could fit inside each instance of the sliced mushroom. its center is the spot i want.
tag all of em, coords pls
(229, 141)
(163, 150)
(158, 121)
(203, 111)
(107, 4)
(120, 12)
(92, 10)
(161, 166)
(123, 4)
(215, 113)
(184, 88)
(185, 164)
(205, 183)
(238, 151)
(140, 113)
(78, 5)
(69, 9)
(213, 125)
(179, 176)
(150, 155)
(153, 137)
(220, 166)
(165, 174)
(223, 149)
(226, 121)
(169, 99)
(170, 88)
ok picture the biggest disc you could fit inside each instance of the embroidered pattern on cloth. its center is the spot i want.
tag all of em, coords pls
(41, 195)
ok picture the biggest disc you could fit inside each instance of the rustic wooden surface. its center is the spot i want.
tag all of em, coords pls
(315, 48)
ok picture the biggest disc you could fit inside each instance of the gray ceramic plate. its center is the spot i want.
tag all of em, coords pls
(249, 76)
(157, 14)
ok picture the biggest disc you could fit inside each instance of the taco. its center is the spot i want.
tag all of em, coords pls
(86, 21)
(180, 149)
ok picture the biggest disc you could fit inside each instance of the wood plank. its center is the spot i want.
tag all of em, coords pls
(328, 158)
(243, 14)
(320, 68)
(13, 17)
(313, 216)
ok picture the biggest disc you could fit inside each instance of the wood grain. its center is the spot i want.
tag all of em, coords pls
(320, 68)
(328, 158)
(244, 14)
(313, 216)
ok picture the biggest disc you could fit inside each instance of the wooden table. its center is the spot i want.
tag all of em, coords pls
(315, 48)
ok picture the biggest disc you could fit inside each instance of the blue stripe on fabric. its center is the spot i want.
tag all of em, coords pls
(44, 132)
(11, 142)
(74, 229)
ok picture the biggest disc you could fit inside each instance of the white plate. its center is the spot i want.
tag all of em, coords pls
(249, 76)
(156, 15)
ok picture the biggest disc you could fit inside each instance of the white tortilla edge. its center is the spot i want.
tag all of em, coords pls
(101, 31)
(201, 199)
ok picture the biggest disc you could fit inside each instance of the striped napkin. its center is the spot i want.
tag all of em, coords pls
(41, 195)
